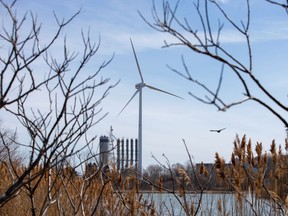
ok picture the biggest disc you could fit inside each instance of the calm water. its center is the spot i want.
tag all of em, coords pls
(168, 204)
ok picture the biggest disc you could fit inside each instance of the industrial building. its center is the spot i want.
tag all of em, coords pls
(126, 153)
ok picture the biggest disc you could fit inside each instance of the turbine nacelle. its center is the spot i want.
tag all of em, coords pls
(139, 86)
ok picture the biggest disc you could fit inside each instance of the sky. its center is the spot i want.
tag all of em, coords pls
(168, 120)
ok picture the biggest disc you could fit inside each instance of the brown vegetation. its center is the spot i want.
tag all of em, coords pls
(258, 180)
(62, 192)
(46, 182)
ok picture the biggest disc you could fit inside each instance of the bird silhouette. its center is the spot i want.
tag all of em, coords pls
(218, 131)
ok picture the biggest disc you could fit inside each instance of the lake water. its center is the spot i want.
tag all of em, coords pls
(169, 204)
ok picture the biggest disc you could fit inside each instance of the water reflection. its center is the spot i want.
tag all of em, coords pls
(209, 204)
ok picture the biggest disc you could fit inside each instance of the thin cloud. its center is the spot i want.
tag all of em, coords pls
(119, 42)
(222, 1)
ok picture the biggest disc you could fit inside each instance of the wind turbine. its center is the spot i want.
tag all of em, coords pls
(139, 87)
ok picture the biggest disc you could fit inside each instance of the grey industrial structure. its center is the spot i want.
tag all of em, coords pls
(126, 153)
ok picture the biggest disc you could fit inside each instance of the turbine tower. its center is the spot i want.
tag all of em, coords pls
(139, 87)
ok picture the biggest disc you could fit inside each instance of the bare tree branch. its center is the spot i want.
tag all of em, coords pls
(206, 40)
(73, 98)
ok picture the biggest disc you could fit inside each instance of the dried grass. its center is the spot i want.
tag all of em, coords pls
(255, 177)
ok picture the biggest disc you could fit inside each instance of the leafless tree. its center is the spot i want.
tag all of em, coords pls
(203, 36)
(57, 103)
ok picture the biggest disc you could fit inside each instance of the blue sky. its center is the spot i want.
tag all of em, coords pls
(168, 120)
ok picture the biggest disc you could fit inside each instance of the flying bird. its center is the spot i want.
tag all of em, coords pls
(218, 131)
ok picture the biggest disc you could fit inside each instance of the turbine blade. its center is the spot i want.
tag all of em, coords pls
(160, 90)
(136, 61)
(128, 102)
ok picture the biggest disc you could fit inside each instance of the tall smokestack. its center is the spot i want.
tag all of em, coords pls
(131, 152)
(127, 153)
(136, 154)
(104, 150)
(122, 155)
(118, 154)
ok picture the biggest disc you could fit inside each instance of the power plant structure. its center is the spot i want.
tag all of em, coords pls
(104, 151)
(126, 153)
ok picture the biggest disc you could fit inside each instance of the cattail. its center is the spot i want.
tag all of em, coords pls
(233, 160)
(219, 164)
(273, 151)
(273, 147)
(218, 161)
(237, 150)
(280, 151)
(265, 158)
(203, 170)
(258, 150)
(250, 156)
(184, 175)
(243, 142)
